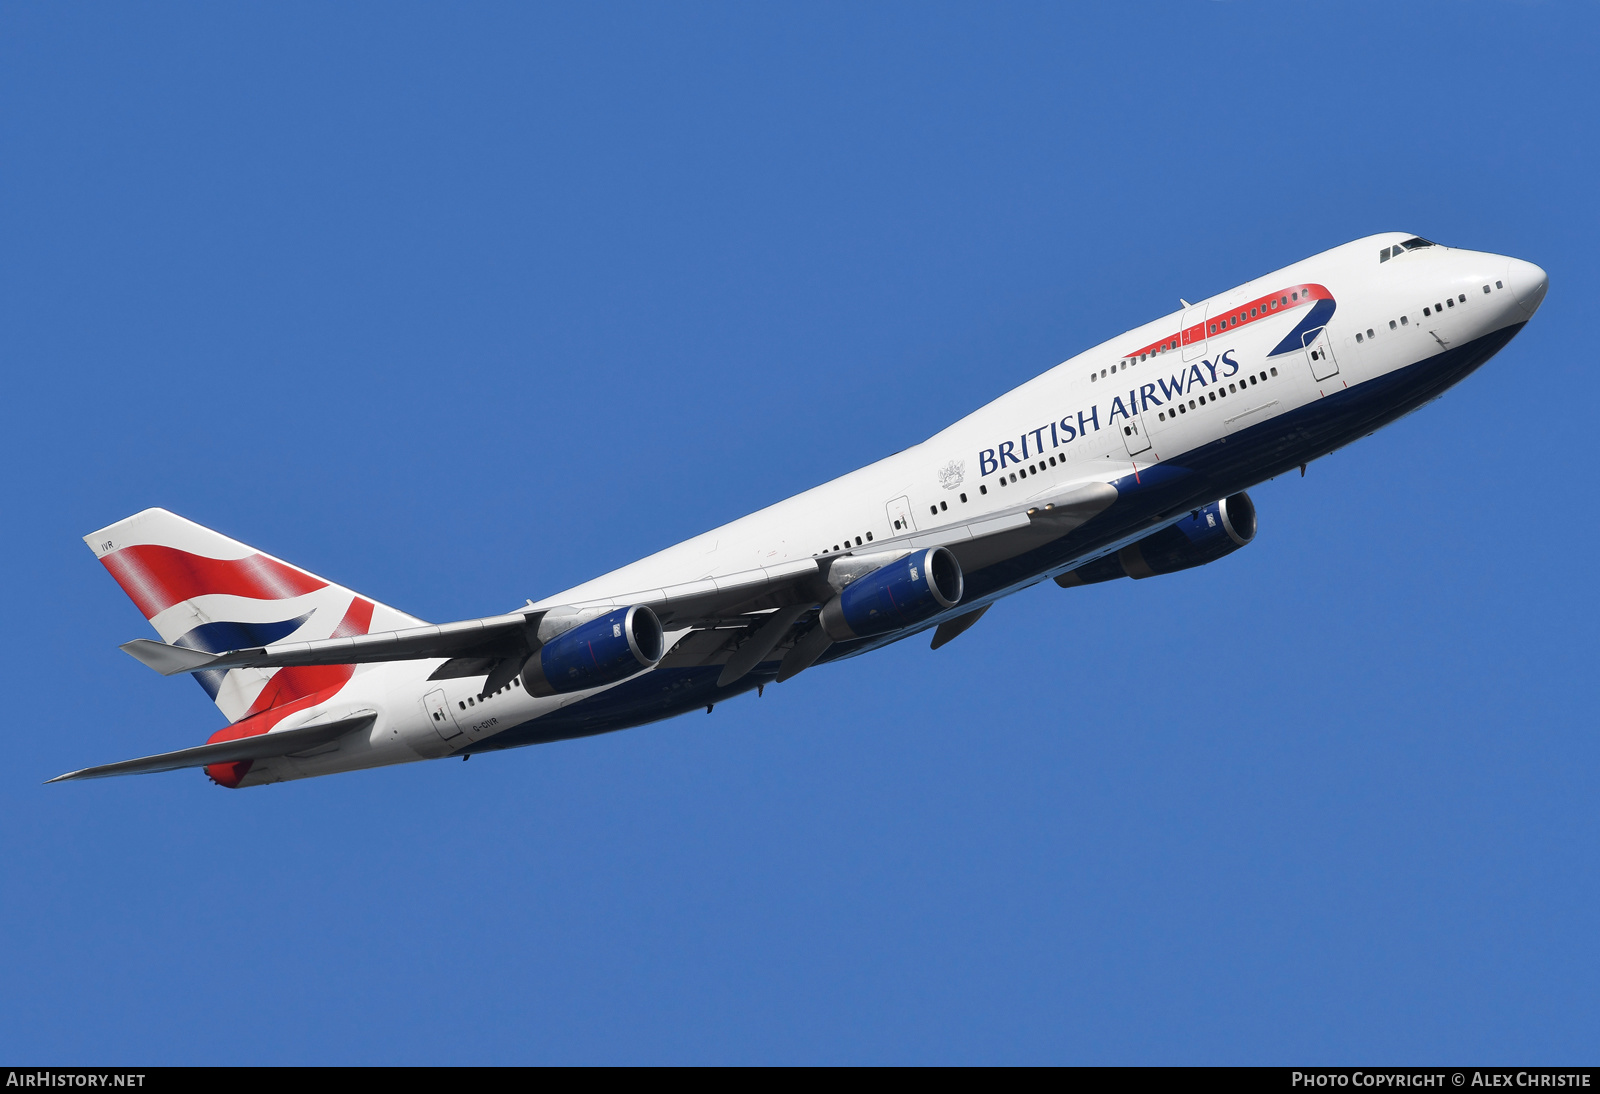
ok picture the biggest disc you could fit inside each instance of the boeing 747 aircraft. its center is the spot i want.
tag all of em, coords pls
(1129, 460)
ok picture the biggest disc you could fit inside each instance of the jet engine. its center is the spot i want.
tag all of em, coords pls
(601, 651)
(898, 594)
(1203, 536)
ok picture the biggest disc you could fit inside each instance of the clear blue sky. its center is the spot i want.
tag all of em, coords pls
(459, 305)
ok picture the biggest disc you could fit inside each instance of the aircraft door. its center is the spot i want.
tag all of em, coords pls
(1194, 341)
(900, 517)
(1134, 435)
(439, 712)
(1319, 353)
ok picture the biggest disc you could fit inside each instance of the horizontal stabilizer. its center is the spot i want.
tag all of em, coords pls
(260, 747)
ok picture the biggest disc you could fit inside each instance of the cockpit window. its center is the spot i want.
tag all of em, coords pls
(1399, 249)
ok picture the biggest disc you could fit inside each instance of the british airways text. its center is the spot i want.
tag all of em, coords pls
(1200, 374)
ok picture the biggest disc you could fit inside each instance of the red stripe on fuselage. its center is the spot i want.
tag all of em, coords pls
(1276, 303)
(157, 577)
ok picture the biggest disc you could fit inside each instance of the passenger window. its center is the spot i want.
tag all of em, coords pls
(1436, 308)
(1370, 334)
(1426, 311)
(1451, 303)
(1391, 324)
(1462, 297)
(943, 507)
(1486, 289)
(983, 489)
(1499, 284)
(869, 534)
(1404, 321)
(1274, 372)
(1252, 379)
(1252, 313)
(1358, 337)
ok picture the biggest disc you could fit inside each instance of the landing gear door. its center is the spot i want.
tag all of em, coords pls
(900, 517)
(1319, 354)
(1193, 334)
(440, 714)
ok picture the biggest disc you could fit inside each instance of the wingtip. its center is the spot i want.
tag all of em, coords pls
(165, 659)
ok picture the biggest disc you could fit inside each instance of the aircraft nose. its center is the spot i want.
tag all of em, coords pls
(1527, 283)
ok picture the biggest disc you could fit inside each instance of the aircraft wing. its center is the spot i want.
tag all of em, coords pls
(413, 643)
(260, 747)
(500, 637)
(474, 647)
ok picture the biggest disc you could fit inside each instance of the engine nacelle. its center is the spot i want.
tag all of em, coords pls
(602, 651)
(1218, 529)
(898, 594)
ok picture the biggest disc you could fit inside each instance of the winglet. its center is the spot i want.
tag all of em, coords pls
(165, 659)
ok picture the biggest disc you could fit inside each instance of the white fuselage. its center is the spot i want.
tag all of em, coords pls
(1389, 335)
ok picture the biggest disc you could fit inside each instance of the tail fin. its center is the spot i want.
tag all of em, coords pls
(205, 591)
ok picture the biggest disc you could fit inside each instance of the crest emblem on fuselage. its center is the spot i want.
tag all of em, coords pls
(953, 474)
